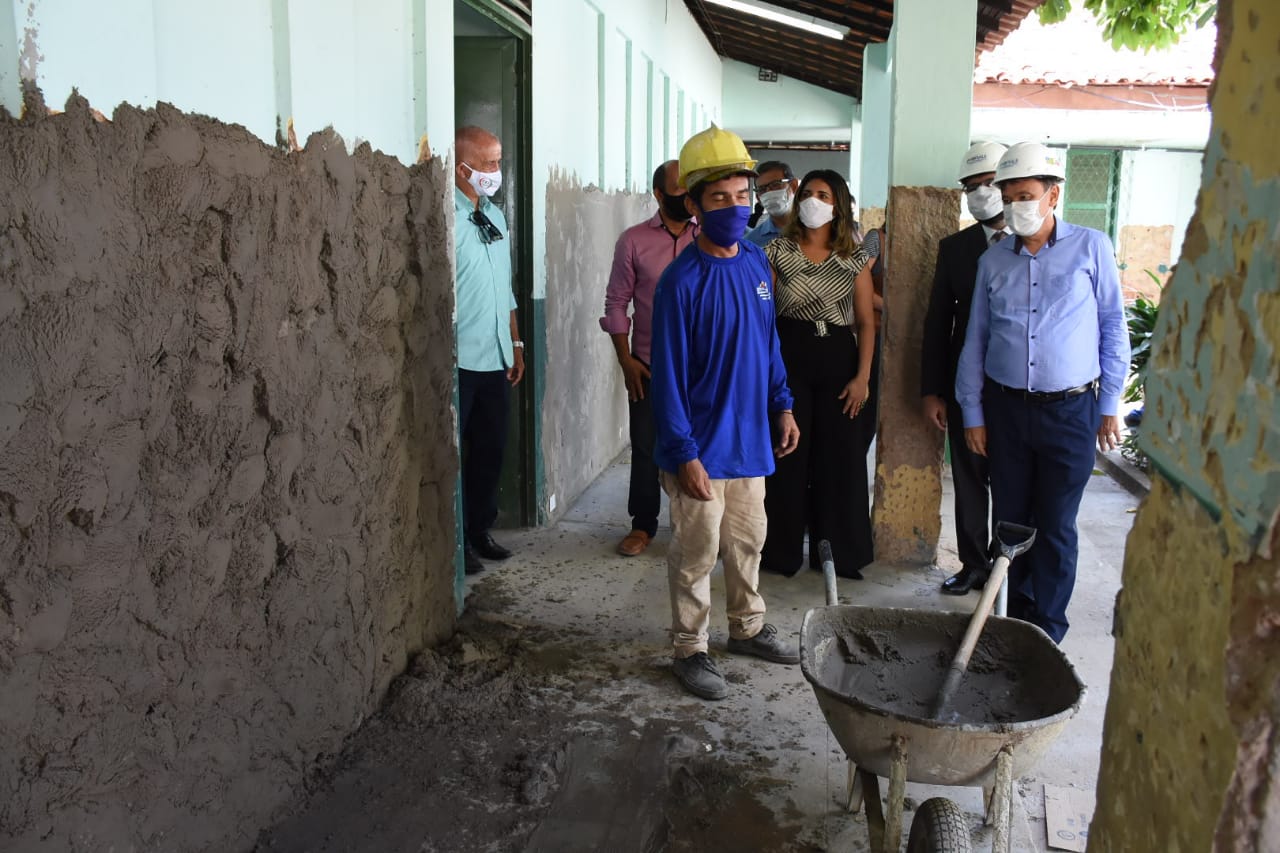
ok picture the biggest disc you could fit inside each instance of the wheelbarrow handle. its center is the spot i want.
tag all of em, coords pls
(828, 572)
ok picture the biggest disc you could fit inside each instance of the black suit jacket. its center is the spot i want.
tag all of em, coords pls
(948, 316)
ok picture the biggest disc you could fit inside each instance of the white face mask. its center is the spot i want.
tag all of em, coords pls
(984, 203)
(1024, 217)
(777, 202)
(815, 213)
(484, 183)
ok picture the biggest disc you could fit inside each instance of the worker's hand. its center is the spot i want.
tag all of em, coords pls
(1109, 433)
(694, 481)
(788, 434)
(516, 372)
(935, 410)
(855, 396)
(976, 439)
(633, 373)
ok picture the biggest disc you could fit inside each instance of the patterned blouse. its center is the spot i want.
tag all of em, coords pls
(809, 291)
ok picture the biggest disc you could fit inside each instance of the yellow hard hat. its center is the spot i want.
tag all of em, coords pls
(711, 155)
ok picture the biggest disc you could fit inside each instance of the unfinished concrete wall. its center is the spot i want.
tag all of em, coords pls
(226, 466)
(1192, 738)
(584, 413)
(907, 516)
(1144, 250)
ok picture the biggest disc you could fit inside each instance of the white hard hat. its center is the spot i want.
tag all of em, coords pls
(1031, 160)
(982, 157)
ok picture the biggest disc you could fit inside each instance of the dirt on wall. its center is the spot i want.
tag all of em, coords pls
(586, 427)
(226, 467)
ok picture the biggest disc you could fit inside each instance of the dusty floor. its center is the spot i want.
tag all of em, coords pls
(552, 722)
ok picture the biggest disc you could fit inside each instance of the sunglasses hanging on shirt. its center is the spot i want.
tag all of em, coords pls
(489, 232)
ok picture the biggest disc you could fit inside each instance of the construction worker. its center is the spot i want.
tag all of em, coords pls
(944, 328)
(641, 254)
(1040, 375)
(717, 381)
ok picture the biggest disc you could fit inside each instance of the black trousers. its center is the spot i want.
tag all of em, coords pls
(644, 497)
(972, 483)
(484, 400)
(821, 487)
(1041, 458)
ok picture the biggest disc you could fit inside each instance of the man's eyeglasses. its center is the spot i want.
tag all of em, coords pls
(761, 189)
(489, 232)
(968, 188)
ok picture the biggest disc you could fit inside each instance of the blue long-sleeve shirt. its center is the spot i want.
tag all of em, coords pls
(717, 367)
(1046, 322)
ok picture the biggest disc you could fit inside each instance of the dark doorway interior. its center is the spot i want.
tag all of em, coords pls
(491, 90)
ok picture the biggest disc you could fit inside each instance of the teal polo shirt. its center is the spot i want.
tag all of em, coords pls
(482, 288)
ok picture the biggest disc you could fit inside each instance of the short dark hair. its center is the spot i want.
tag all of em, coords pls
(660, 177)
(775, 165)
(697, 190)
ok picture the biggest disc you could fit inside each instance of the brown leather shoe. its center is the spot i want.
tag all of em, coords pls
(634, 543)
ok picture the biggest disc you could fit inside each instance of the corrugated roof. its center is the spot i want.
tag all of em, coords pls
(1074, 53)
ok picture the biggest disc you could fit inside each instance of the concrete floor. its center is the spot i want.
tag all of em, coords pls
(568, 577)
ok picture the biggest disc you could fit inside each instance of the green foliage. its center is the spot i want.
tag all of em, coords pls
(1141, 317)
(1129, 450)
(1138, 24)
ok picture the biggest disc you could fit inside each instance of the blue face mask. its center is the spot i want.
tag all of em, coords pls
(726, 225)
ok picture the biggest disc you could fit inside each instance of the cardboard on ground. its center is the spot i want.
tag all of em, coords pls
(1067, 813)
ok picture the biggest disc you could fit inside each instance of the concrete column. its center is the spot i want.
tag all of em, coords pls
(872, 188)
(931, 82)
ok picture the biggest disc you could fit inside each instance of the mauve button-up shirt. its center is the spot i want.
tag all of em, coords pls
(641, 254)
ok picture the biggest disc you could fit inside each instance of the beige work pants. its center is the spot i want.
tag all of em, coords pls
(730, 525)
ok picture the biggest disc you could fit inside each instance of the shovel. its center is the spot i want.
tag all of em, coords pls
(1014, 539)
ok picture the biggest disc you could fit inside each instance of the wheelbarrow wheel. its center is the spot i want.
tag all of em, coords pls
(938, 827)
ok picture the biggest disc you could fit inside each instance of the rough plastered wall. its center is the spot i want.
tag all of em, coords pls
(906, 516)
(226, 467)
(1144, 248)
(584, 414)
(1191, 748)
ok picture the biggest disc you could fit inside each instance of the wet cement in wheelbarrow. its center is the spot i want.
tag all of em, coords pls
(900, 669)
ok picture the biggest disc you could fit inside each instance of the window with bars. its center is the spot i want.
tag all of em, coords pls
(1093, 181)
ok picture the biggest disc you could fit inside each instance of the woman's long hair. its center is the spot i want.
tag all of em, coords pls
(844, 240)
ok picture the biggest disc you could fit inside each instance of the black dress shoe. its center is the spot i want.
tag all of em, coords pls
(965, 580)
(471, 561)
(490, 550)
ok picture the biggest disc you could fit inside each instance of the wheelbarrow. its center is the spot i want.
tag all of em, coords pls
(876, 673)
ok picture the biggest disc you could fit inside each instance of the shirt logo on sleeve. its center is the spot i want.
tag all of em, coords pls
(762, 290)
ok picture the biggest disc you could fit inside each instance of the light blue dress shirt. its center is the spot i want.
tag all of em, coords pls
(482, 288)
(765, 232)
(1046, 322)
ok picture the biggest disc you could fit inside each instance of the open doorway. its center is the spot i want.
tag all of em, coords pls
(491, 90)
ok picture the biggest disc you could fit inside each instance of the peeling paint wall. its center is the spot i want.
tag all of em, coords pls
(584, 419)
(1143, 248)
(1191, 741)
(226, 466)
(906, 516)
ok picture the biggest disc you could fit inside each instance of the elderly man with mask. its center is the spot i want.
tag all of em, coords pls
(718, 380)
(776, 190)
(1040, 376)
(944, 329)
(490, 351)
(641, 254)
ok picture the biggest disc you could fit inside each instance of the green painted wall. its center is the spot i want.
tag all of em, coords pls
(1190, 748)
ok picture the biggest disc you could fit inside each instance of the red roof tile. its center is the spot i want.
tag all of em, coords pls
(1074, 53)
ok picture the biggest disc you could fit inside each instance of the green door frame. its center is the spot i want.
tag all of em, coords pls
(518, 503)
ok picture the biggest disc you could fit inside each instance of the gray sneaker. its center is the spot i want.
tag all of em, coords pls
(699, 675)
(766, 644)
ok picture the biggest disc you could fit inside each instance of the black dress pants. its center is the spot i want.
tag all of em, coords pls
(821, 487)
(973, 493)
(644, 497)
(484, 399)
